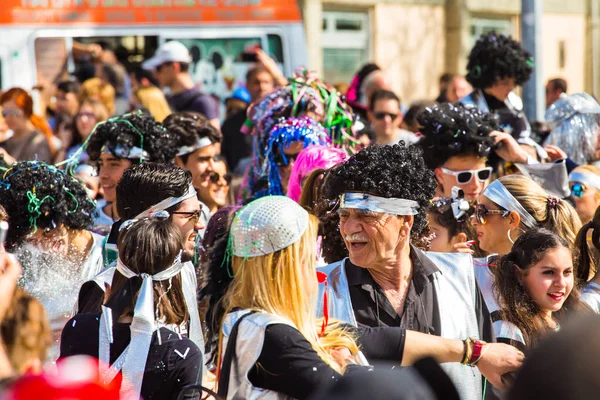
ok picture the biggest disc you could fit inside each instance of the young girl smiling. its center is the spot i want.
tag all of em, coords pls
(535, 285)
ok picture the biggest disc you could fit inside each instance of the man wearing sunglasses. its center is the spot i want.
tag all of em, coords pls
(143, 189)
(584, 183)
(385, 117)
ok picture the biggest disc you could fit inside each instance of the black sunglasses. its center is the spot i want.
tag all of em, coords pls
(285, 159)
(192, 215)
(382, 115)
(216, 178)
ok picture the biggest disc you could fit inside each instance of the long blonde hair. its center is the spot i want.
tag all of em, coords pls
(561, 219)
(284, 283)
(153, 100)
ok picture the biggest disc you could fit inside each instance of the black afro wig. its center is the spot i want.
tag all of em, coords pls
(454, 130)
(386, 171)
(133, 130)
(40, 196)
(496, 57)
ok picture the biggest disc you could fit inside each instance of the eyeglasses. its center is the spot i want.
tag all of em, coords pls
(382, 115)
(578, 190)
(216, 178)
(14, 113)
(466, 176)
(191, 215)
(482, 213)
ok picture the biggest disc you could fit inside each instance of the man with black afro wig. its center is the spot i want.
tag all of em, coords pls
(119, 144)
(380, 197)
(497, 64)
(456, 144)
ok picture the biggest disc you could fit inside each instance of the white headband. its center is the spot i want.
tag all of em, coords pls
(366, 201)
(497, 193)
(166, 203)
(133, 359)
(589, 179)
(120, 151)
(200, 143)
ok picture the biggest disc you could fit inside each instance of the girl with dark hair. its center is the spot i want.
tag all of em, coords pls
(49, 214)
(536, 285)
(450, 225)
(139, 331)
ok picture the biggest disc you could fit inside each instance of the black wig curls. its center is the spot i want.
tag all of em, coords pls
(386, 171)
(40, 196)
(454, 130)
(133, 130)
(496, 57)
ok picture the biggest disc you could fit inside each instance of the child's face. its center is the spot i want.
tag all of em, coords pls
(550, 281)
(441, 242)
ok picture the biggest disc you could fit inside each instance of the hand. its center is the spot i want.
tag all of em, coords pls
(463, 247)
(508, 148)
(555, 153)
(7, 157)
(10, 271)
(499, 359)
(342, 356)
(271, 65)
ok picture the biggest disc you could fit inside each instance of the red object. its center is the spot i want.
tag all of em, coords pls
(322, 279)
(477, 348)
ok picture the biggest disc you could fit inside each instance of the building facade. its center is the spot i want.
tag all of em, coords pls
(415, 41)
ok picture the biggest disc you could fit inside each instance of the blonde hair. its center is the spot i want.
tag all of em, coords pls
(561, 219)
(25, 331)
(153, 100)
(284, 283)
(97, 89)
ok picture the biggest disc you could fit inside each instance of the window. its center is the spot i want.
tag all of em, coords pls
(345, 44)
(479, 26)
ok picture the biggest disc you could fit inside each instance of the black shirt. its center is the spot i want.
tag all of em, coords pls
(288, 364)
(170, 366)
(510, 119)
(421, 312)
(236, 145)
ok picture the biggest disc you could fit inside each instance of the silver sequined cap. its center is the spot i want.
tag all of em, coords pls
(267, 225)
(574, 122)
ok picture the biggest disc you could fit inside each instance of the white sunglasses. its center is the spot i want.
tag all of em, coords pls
(466, 176)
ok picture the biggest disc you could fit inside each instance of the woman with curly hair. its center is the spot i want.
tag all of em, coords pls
(117, 145)
(497, 64)
(49, 214)
(536, 284)
(456, 145)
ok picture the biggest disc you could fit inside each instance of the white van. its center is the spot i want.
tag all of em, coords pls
(36, 36)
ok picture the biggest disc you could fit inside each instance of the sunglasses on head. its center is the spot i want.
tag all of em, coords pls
(382, 115)
(578, 190)
(482, 213)
(216, 178)
(466, 176)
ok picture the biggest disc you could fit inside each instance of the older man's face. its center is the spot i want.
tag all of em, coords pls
(370, 237)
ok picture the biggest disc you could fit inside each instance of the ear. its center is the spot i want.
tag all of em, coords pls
(461, 237)
(514, 220)
(370, 116)
(407, 224)
(179, 162)
(438, 175)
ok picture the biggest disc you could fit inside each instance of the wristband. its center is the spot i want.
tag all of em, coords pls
(476, 353)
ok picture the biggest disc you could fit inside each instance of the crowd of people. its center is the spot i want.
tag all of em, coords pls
(308, 244)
